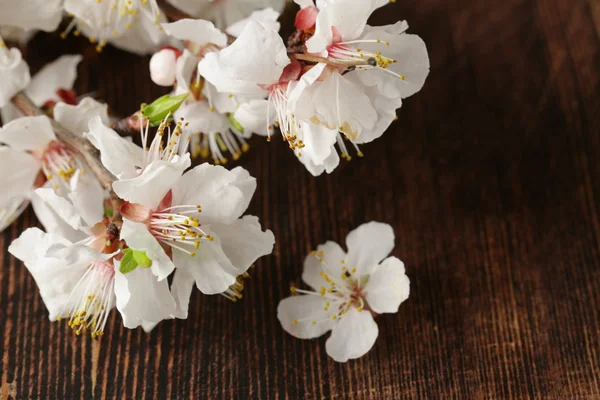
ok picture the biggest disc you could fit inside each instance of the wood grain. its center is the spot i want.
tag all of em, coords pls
(491, 181)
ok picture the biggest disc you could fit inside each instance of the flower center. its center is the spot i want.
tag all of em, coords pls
(92, 299)
(348, 52)
(59, 164)
(176, 142)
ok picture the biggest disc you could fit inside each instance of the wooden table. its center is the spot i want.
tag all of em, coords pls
(491, 181)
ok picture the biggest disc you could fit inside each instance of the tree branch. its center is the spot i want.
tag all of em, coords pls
(89, 154)
(337, 63)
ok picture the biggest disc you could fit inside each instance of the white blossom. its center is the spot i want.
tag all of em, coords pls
(349, 290)
(14, 73)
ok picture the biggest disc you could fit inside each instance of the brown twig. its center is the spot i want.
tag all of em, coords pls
(337, 63)
(77, 143)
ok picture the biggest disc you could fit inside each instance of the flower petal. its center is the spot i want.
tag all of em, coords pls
(63, 208)
(224, 195)
(32, 14)
(119, 156)
(184, 69)
(297, 314)
(51, 221)
(388, 286)
(77, 118)
(258, 55)
(87, 196)
(141, 297)
(19, 171)
(201, 118)
(368, 245)
(181, 290)
(244, 242)
(137, 236)
(198, 31)
(266, 17)
(332, 255)
(252, 116)
(28, 133)
(353, 336)
(14, 74)
(213, 71)
(10, 210)
(59, 74)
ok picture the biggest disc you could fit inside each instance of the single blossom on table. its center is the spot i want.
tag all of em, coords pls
(349, 289)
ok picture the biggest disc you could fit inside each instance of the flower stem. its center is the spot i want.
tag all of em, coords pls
(77, 143)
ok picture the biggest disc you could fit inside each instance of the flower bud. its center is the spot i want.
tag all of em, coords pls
(162, 67)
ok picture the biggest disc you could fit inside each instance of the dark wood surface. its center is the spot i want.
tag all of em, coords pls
(490, 179)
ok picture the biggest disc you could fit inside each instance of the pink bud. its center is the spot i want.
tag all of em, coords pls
(162, 67)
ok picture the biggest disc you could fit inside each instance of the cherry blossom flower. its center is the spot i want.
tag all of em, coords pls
(189, 223)
(132, 25)
(349, 290)
(34, 158)
(225, 13)
(14, 73)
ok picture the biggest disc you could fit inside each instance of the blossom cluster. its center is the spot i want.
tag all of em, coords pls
(136, 227)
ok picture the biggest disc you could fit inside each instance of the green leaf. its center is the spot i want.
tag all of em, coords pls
(142, 259)
(108, 211)
(158, 110)
(235, 124)
(128, 262)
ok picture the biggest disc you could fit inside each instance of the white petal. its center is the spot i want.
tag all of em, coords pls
(201, 118)
(143, 38)
(198, 31)
(137, 236)
(224, 195)
(181, 290)
(87, 196)
(266, 17)
(244, 242)
(213, 71)
(19, 171)
(11, 209)
(184, 69)
(9, 112)
(118, 155)
(31, 14)
(304, 3)
(353, 336)
(349, 17)
(51, 221)
(28, 133)
(14, 74)
(328, 165)
(388, 286)
(151, 186)
(210, 267)
(63, 208)
(304, 310)
(142, 298)
(368, 245)
(299, 102)
(258, 55)
(332, 256)
(318, 142)
(77, 118)
(252, 116)
(59, 74)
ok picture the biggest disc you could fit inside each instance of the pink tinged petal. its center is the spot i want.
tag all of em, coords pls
(138, 237)
(368, 245)
(62, 207)
(306, 17)
(332, 256)
(297, 314)
(244, 242)
(76, 118)
(52, 222)
(19, 171)
(266, 17)
(14, 75)
(59, 74)
(87, 196)
(32, 14)
(135, 212)
(181, 290)
(151, 186)
(258, 55)
(142, 298)
(388, 286)
(353, 336)
(224, 195)
(28, 133)
(212, 270)
(349, 17)
(119, 156)
(198, 31)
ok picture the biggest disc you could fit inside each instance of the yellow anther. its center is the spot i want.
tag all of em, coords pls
(314, 322)
(292, 289)
(295, 322)
(193, 254)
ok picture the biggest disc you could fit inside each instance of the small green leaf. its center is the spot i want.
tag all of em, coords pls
(128, 262)
(142, 259)
(235, 123)
(158, 110)
(108, 211)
